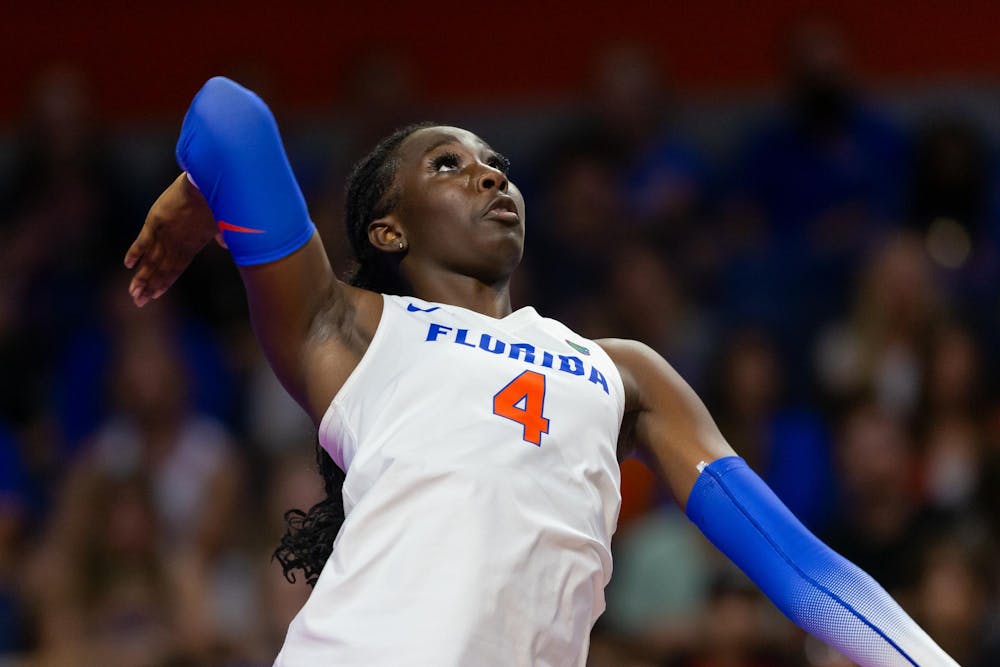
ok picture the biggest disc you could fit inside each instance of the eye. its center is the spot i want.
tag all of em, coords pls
(446, 162)
(500, 163)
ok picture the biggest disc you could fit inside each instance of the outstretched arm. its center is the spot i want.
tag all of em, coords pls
(814, 586)
(238, 183)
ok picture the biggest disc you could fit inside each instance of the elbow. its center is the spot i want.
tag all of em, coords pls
(223, 117)
(221, 88)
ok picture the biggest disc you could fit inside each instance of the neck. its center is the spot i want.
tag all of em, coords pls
(491, 299)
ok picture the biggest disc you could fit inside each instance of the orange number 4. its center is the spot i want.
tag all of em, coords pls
(523, 401)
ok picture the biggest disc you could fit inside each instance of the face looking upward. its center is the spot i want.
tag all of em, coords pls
(456, 211)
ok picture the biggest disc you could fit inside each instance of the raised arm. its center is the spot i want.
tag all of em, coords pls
(811, 584)
(239, 184)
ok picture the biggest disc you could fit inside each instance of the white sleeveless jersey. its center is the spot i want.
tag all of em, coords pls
(482, 490)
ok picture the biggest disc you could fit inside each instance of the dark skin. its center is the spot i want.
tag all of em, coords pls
(458, 227)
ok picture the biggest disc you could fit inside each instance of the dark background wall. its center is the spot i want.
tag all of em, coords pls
(146, 58)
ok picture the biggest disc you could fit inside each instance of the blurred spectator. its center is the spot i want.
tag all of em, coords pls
(658, 176)
(954, 208)
(954, 384)
(640, 488)
(953, 599)
(62, 217)
(952, 420)
(784, 439)
(738, 628)
(897, 308)
(953, 463)
(167, 483)
(663, 176)
(816, 183)
(878, 522)
(988, 497)
(80, 396)
(579, 213)
(951, 180)
(648, 602)
(15, 516)
(275, 422)
(644, 301)
(106, 597)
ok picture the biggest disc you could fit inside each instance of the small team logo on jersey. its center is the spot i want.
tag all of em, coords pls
(230, 227)
(579, 348)
(417, 309)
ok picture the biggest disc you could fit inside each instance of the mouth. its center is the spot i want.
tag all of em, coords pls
(503, 209)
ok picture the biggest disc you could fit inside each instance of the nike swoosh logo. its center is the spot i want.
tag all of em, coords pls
(228, 227)
(414, 309)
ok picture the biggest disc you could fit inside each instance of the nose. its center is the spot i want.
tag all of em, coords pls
(490, 178)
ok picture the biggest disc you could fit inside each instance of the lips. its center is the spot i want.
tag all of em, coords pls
(503, 209)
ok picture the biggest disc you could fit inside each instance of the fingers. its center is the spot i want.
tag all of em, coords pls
(173, 233)
(142, 286)
(140, 246)
(157, 273)
(139, 291)
(166, 274)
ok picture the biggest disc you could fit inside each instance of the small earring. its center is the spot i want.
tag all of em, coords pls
(401, 245)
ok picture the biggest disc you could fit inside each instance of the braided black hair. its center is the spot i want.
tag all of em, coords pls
(308, 541)
(370, 196)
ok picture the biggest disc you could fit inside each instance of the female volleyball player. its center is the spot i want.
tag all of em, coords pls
(480, 445)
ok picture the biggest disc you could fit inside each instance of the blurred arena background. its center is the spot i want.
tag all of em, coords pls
(798, 204)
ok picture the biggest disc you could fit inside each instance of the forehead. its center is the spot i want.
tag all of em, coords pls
(429, 138)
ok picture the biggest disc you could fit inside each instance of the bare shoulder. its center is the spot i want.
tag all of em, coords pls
(640, 366)
(666, 419)
(626, 356)
(624, 350)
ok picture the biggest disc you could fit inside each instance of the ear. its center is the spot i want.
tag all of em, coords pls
(387, 235)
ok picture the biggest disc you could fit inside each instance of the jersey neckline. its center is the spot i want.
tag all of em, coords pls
(519, 316)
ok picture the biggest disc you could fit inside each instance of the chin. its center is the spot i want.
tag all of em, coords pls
(499, 268)
(508, 256)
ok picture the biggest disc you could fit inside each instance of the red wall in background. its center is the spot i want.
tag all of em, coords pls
(149, 58)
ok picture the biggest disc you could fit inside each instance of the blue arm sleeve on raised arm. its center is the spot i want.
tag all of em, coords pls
(817, 588)
(231, 150)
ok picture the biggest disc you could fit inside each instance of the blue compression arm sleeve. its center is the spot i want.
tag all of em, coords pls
(817, 588)
(231, 150)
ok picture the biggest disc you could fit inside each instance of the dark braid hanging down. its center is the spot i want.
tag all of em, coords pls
(308, 541)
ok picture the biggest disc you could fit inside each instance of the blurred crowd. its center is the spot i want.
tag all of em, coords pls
(827, 283)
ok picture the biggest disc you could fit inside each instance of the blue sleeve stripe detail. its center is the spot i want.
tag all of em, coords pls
(252, 259)
(717, 478)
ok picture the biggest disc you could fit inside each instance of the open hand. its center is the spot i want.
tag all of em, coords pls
(177, 227)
